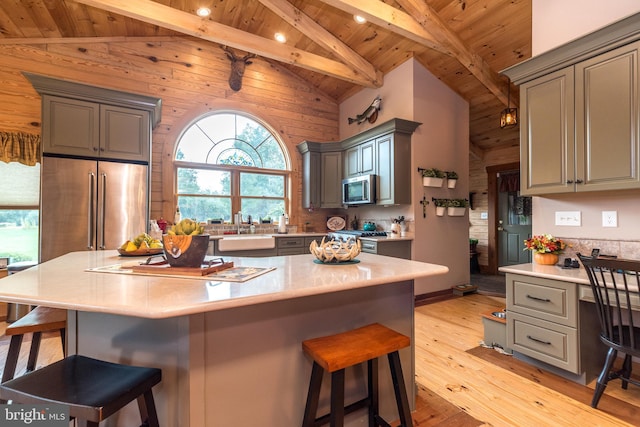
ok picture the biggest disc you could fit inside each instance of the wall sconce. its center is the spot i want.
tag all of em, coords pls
(509, 116)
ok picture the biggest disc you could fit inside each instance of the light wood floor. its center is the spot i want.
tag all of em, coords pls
(445, 330)
(495, 396)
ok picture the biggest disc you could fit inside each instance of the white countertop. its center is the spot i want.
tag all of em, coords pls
(64, 283)
(556, 272)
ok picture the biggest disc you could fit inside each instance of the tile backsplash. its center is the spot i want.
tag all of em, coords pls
(629, 249)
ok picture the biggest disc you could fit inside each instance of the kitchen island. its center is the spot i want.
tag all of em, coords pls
(230, 352)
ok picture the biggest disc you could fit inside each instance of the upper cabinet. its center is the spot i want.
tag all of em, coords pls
(384, 151)
(360, 160)
(321, 177)
(88, 121)
(580, 114)
(87, 129)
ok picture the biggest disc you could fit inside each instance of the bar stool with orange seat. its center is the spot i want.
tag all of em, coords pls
(335, 353)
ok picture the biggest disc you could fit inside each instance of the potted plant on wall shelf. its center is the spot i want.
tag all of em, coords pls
(452, 179)
(457, 207)
(432, 177)
(441, 205)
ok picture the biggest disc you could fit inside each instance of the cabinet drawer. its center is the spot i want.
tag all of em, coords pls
(550, 300)
(290, 242)
(548, 342)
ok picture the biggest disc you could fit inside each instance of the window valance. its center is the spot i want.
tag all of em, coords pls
(20, 147)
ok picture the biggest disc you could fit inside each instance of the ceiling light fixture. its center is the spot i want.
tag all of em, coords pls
(280, 37)
(509, 116)
(203, 12)
(359, 19)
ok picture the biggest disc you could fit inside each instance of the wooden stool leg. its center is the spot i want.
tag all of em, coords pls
(12, 357)
(313, 396)
(400, 390)
(34, 350)
(337, 399)
(372, 381)
(147, 407)
(63, 337)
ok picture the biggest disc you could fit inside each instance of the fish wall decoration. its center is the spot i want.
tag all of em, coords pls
(370, 114)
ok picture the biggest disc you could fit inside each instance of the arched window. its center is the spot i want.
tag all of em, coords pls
(228, 162)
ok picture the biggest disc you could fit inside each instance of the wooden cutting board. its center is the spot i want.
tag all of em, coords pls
(181, 271)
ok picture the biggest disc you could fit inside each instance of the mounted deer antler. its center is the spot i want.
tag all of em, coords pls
(237, 67)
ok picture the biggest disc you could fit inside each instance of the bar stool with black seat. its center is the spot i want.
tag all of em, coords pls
(37, 321)
(91, 389)
(615, 284)
(335, 353)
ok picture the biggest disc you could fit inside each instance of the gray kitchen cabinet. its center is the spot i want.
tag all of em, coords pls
(546, 322)
(390, 144)
(580, 116)
(389, 247)
(295, 245)
(360, 160)
(321, 174)
(88, 129)
(394, 174)
(331, 180)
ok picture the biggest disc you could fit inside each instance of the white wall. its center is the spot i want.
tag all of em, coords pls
(556, 22)
(442, 140)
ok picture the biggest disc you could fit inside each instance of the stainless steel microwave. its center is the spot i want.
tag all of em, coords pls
(359, 190)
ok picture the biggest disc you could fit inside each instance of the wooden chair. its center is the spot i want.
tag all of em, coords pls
(39, 320)
(334, 353)
(92, 389)
(614, 283)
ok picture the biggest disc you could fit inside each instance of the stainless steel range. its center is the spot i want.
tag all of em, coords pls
(376, 242)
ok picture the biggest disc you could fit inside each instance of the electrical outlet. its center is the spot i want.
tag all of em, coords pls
(570, 218)
(609, 218)
(484, 215)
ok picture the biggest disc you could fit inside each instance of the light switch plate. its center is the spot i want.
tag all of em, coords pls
(609, 218)
(570, 218)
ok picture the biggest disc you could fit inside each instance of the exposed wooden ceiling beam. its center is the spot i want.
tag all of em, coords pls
(423, 25)
(307, 26)
(431, 22)
(383, 15)
(186, 23)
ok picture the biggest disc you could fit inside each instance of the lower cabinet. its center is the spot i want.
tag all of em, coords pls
(395, 248)
(547, 322)
(295, 245)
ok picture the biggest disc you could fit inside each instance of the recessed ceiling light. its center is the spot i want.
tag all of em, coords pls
(359, 19)
(203, 11)
(280, 37)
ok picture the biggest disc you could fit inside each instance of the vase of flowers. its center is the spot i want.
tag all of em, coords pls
(545, 248)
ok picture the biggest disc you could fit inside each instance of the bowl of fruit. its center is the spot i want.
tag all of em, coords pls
(142, 245)
(185, 245)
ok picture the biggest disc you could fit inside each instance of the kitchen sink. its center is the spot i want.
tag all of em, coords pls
(246, 242)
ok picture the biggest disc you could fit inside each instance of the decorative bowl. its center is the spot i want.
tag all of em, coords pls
(185, 251)
(335, 251)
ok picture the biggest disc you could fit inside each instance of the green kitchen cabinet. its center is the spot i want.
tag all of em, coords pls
(321, 174)
(360, 160)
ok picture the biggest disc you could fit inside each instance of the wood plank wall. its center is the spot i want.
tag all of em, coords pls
(190, 76)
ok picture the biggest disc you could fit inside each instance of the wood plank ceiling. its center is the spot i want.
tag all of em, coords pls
(465, 43)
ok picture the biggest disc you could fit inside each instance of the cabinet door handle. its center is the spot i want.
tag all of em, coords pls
(569, 181)
(538, 298)
(538, 341)
(579, 181)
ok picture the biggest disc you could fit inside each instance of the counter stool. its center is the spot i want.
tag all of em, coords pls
(334, 353)
(92, 389)
(39, 320)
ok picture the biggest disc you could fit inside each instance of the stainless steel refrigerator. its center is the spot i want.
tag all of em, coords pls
(90, 205)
